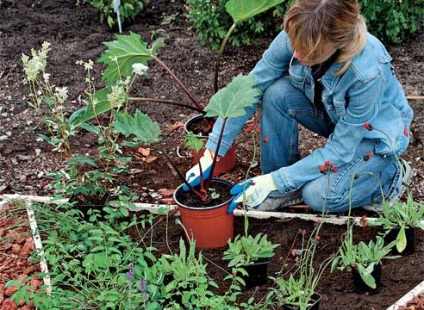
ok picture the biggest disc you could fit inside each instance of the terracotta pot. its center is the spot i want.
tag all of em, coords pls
(257, 274)
(316, 300)
(212, 226)
(224, 164)
(410, 241)
(361, 287)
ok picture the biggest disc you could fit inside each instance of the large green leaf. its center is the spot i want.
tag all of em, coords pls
(241, 10)
(96, 106)
(141, 125)
(232, 100)
(122, 53)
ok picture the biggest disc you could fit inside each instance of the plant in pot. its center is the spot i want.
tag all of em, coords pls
(240, 11)
(295, 288)
(201, 204)
(363, 261)
(399, 220)
(250, 256)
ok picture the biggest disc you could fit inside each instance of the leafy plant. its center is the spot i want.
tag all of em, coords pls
(90, 262)
(392, 21)
(211, 22)
(246, 250)
(128, 9)
(124, 57)
(293, 291)
(403, 215)
(240, 11)
(299, 288)
(362, 257)
(230, 101)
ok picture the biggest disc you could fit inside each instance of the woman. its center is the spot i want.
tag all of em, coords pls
(326, 72)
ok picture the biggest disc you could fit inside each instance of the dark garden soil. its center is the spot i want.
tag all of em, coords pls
(76, 33)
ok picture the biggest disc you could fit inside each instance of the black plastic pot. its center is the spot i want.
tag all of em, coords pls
(257, 274)
(361, 287)
(410, 240)
(85, 204)
(316, 300)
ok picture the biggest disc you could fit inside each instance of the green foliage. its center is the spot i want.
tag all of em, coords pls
(128, 10)
(139, 124)
(122, 53)
(88, 262)
(211, 20)
(362, 256)
(232, 100)
(293, 291)
(241, 10)
(94, 264)
(247, 250)
(298, 289)
(393, 20)
(409, 214)
(193, 142)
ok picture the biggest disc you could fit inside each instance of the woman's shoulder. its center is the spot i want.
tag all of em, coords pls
(367, 64)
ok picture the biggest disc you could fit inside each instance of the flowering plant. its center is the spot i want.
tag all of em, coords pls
(298, 289)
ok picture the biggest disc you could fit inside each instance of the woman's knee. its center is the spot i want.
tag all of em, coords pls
(276, 95)
(317, 196)
(314, 194)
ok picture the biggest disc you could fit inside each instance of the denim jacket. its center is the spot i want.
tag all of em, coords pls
(368, 92)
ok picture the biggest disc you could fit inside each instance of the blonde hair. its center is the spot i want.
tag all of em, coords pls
(311, 24)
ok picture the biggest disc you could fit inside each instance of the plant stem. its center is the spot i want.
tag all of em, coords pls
(216, 153)
(176, 79)
(177, 103)
(201, 195)
(219, 56)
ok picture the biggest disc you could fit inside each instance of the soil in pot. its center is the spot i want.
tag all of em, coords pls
(189, 199)
(361, 287)
(316, 299)
(257, 274)
(410, 240)
(207, 222)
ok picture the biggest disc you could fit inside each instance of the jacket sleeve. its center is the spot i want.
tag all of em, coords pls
(274, 62)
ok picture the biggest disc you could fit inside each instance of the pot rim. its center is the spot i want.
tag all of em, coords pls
(179, 188)
(192, 120)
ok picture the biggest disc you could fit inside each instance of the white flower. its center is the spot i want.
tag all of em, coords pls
(140, 69)
(117, 97)
(87, 65)
(33, 66)
(61, 94)
(46, 77)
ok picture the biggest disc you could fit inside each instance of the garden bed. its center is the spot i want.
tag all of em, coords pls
(399, 276)
(76, 33)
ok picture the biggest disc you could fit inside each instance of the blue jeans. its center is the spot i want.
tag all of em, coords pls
(356, 183)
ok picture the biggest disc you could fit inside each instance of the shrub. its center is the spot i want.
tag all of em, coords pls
(211, 22)
(393, 20)
(128, 9)
(390, 20)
